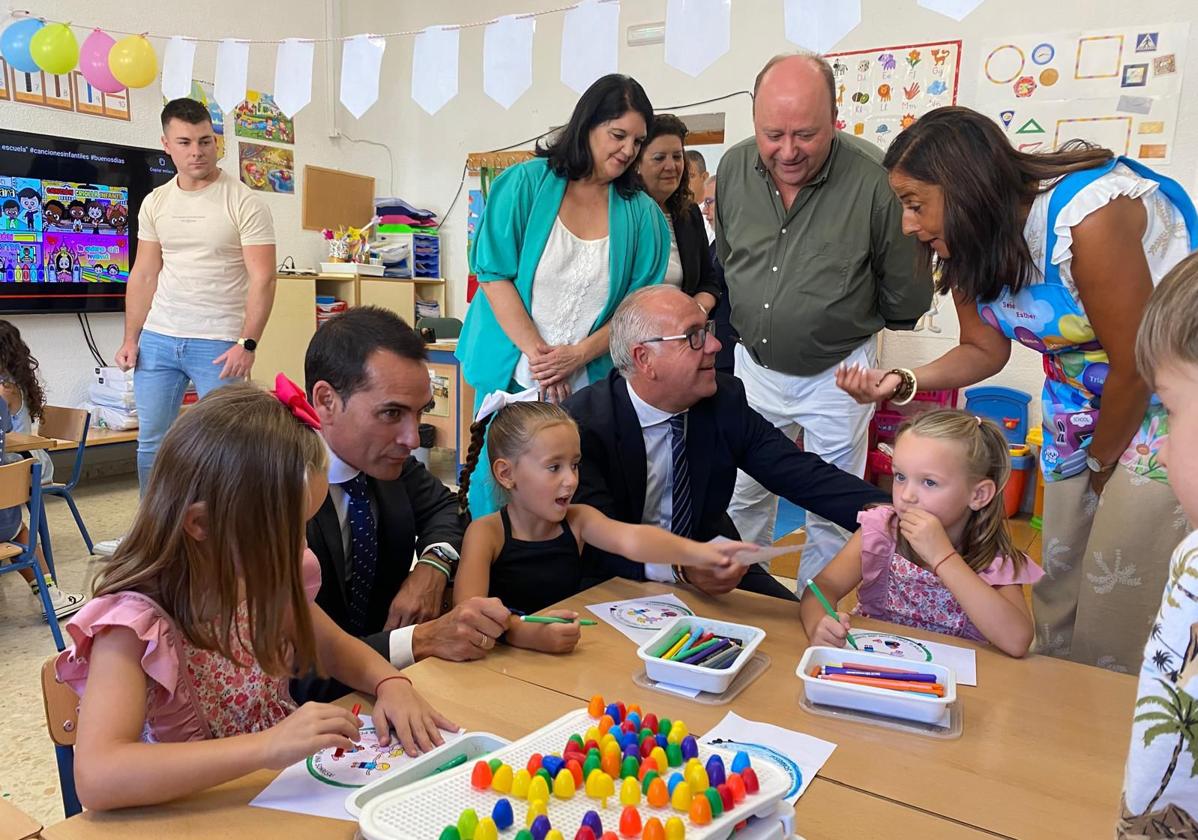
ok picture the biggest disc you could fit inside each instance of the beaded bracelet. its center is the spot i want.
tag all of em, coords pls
(392, 677)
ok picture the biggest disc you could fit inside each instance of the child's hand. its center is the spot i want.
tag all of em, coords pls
(417, 725)
(552, 638)
(926, 535)
(715, 555)
(831, 631)
(311, 728)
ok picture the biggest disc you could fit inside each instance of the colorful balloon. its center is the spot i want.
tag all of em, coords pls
(55, 49)
(15, 42)
(93, 62)
(133, 62)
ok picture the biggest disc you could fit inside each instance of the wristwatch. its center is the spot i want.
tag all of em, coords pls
(1097, 466)
(248, 343)
(446, 555)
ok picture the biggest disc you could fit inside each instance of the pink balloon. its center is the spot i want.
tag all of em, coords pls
(93, 62)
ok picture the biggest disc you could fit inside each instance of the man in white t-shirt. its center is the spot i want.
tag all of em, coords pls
(202, 286)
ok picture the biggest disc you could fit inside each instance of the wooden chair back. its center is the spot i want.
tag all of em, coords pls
(62, 706)
(16, 483)
(63, 423)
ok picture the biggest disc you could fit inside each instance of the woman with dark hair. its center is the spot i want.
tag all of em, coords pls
(663, 172)
(563, 239)
(1059, 252)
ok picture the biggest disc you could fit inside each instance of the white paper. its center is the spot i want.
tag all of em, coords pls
(298, 790)
(232, 67)
(641, 618)
(435, 67)
(293, 75)
(799, 756)
(962, 660)
(697, 33)
(590, 43)
(177, 64)
(361, 61)
(820, 25)
(507, 58)
(955, 9)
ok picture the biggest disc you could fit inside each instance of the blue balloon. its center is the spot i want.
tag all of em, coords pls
(14, 45)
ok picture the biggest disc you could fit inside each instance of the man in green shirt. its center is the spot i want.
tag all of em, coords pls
(810, 237)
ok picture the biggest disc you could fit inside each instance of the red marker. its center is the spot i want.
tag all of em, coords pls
(354, 711)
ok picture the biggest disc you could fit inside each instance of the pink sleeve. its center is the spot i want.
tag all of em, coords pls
(124, 609)
(311, 574)
(877, 549)
(1002, 572)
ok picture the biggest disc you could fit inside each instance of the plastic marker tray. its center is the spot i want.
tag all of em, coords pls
(421, 810)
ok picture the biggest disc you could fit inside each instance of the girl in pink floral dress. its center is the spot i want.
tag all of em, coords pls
(941, 558)
(182, 658)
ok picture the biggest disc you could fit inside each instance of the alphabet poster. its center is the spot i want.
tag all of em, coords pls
(881, 91)
(1117, 87)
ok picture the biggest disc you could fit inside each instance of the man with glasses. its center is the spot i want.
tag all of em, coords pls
(664, 434)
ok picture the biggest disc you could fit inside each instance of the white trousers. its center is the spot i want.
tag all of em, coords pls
(834, 426)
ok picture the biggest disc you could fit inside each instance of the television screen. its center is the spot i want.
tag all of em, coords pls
(68, 220)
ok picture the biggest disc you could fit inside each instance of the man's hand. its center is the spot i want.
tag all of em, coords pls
(464, 633)
(716, 581)
(419, 598)
(126, 357)
(237, 361)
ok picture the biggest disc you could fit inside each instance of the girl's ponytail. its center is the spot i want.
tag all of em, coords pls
(478, 435)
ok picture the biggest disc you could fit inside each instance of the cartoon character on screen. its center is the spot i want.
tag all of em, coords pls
(52, 213)
(12, 212)
(28, 268)
(118, 217)
(5, 270)
(63, 266)
(75, 212)
(31, 206)
(93, 214)
(114, 271)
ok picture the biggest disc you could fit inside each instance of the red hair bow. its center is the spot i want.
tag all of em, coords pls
(292, 396)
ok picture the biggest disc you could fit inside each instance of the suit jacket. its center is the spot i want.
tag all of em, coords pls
(723, 434)
(725, 360)
(694, 254)
(413, 512)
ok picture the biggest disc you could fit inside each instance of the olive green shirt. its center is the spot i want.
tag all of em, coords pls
(810, 284)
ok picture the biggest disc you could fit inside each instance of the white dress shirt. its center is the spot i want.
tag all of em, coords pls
(659, 475)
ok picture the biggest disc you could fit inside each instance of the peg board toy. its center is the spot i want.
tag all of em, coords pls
(433, 807)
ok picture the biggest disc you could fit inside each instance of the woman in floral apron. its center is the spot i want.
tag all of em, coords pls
(1059, 252)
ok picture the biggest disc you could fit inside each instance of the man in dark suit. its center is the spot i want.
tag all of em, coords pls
(663, 435)
(366, 376)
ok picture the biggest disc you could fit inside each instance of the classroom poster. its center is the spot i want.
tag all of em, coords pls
(202, 92)
(1117, 87)
(3, 79)
(267, 168)
(881, 91)
(68, 92)
(259, 118)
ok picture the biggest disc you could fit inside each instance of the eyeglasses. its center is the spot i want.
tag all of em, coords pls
(696, 337)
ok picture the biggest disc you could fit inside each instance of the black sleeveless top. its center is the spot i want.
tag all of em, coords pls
(530, 576)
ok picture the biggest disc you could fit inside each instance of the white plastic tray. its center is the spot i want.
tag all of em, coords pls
(712, 680)
(421, 810)
(877, 701)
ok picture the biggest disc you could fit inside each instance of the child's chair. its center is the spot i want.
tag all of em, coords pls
(70, 424)
(62, 719)
(21, 484)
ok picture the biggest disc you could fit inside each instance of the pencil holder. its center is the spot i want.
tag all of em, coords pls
(711, 668)
(863, 697)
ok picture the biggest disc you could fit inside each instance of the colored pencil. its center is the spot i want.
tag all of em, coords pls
(711, 653)
(725, 659)
(828, 608)
(677, 647)
(553, 619)
(880, 675)
(697, 638)
(670, 642)
(704, 650)
(893, 685)
(684, 654)
(869, 666)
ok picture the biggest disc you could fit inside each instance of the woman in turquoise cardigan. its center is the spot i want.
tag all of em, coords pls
(563, 239)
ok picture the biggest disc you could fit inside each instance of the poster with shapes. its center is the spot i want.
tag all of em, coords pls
(259, 118)
(881, 91)
(202, 92)
(267, 168)
(1118, 88)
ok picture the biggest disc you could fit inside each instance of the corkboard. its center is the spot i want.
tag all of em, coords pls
(333, 198)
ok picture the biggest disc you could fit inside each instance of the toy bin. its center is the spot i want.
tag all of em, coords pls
(713, 680)
(1007, 407)
(1022, 464)
(879, 701)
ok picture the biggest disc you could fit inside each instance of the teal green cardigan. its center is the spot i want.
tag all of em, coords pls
(511, 236)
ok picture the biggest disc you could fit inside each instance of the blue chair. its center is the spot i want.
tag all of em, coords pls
(21, 484)
(62, 721)
(69, 424)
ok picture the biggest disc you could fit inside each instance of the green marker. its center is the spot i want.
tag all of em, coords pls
(456, 761)
(828, 608)
(553, 619)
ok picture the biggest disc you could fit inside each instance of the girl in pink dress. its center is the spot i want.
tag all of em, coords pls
(941, 558)
(183, 657)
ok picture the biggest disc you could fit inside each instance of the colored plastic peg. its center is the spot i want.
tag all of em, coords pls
(538, 788)
(540, 827)
(585, 833)
(696, 776)
(629, 767)
(575, 769)
(740, 761)
(534, 763)
(647, 778)
(591, 820)
(630, 822)
(749, 776)
(595, 707)
(554, 834)
(553, 764)
(613, 712)
(689, 747)
(450, 832)
(700, 811)
(660, 759)
(502, 781)
(717, 804)
(563, 785)
(674, 755)
(502, 815)
(680, 797)
(657, 794)
(675, 829)
(467, 822)
(715, 771)
(486, 830)
(654, 830)
(480, 777)
(520, 784)
(736, 784)
(650, 722)
(726, 797)
(600, 786)
(663, 726)
(536, 808)
(630, 792)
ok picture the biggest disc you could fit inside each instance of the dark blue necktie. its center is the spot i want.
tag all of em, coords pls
(680, 513)
(363, 549)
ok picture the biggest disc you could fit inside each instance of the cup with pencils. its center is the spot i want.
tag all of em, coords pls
(700, 653)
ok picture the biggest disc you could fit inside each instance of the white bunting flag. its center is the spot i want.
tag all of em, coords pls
(293, 75)
(177, 64)
(590, 43)
(232, 67)
(361, 61)
(820, 25)
(435, 67)
(507, 58)
(955, 9)
(697, 33)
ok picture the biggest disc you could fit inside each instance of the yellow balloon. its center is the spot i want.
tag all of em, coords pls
(1076, 329)
(132, 61)
(54, 49)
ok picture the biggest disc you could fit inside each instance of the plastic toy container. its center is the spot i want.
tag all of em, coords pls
(878, 701)
(1021, 467)
(714, 680)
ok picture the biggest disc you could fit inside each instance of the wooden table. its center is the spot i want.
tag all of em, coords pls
(1041, 756)
(25, 442)
(15, 824)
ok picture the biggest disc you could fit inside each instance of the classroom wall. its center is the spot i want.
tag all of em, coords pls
(57, 340)
(430, 150)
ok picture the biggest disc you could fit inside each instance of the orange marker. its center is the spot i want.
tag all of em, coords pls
(894, 685)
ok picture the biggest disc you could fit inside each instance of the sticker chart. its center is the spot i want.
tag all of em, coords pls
(640, 618)
(1118, 88)
(881, 91)
(962, 660)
